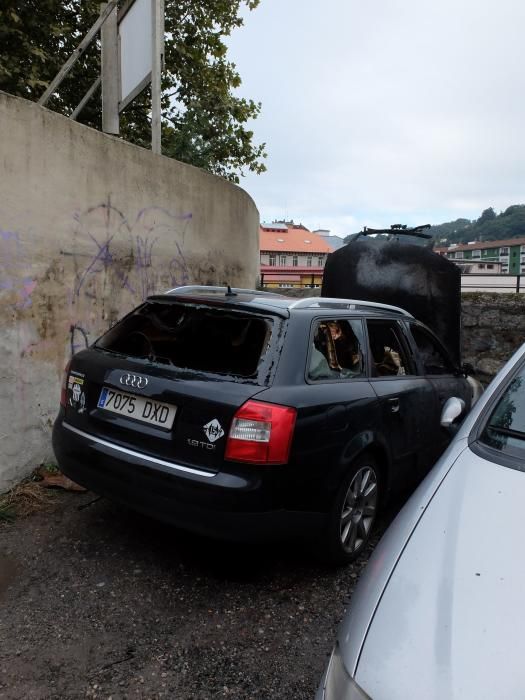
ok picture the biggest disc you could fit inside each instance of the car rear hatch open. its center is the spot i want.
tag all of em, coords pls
(397, 272)
(167, 380)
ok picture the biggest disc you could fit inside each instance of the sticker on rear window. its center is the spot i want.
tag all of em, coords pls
(213, 430)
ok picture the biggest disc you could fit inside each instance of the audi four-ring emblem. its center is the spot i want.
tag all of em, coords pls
(134, 380)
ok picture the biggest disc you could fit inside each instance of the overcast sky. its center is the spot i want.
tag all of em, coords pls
(392, 111)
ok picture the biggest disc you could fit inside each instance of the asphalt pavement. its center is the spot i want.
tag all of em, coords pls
(100, 602)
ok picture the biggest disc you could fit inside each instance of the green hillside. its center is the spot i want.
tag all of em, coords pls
(489, 227)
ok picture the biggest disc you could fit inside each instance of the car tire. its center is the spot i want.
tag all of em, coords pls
(354, 511)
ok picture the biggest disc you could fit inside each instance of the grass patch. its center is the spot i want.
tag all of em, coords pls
(49, 468)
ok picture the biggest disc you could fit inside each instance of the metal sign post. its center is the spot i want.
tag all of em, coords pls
(110, 73)
(157, 44)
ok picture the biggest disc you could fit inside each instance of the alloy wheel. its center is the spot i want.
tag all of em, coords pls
(359, 509)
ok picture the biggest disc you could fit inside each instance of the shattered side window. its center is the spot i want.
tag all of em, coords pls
(336, 352)
(191, 337)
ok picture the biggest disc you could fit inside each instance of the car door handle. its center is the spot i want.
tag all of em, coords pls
(394, 405)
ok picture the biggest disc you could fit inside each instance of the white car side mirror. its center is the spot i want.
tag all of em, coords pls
(452, 410)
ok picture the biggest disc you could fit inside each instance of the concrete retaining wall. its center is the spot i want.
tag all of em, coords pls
(89, 226)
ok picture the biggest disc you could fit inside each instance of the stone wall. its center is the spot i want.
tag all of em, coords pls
(89, 226)
(493, 327)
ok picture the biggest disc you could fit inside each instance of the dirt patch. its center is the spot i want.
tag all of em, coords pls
(109, 603)
(9, 569)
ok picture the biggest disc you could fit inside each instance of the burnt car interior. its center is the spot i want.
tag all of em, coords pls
(340, 348)
(191, 337)
(387, 353)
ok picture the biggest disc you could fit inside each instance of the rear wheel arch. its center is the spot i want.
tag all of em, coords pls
(370, 444)
(382, 460)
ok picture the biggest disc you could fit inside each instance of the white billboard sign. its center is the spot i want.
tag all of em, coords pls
(135, 42)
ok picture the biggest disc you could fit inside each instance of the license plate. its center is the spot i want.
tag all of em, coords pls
(137, 407)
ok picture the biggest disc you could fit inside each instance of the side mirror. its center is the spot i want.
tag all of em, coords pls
(450, 413)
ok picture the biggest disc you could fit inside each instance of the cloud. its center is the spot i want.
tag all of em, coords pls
(376, 111)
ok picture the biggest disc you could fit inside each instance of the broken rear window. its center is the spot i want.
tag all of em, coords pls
(192, 337)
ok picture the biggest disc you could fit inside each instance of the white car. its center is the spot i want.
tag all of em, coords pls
(439, 613)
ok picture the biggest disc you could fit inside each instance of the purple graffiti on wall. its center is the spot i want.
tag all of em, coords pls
(127, 250)
(120, 261)
(78, 338)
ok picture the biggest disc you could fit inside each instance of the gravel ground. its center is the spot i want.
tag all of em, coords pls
(99, 602)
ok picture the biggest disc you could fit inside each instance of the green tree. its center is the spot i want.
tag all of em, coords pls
(487, 215)
(37, 37)
(451, 232)
(204, 122)
(514, 209)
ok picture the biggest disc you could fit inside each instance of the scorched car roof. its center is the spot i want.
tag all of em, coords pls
(276, 303)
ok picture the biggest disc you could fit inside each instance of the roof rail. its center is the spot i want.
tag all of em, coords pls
(332, 303)
(206, 289)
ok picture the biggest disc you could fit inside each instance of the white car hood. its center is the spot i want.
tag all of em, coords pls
(451, 621)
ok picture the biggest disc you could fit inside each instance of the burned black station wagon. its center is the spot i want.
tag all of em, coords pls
(241, 414)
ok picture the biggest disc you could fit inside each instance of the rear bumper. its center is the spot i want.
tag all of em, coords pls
(225, 505)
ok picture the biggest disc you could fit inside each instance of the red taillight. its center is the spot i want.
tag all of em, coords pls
(261, 433)
(63, 389)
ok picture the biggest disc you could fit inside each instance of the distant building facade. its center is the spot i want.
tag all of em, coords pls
(335, 242)
(293, 256)
(490, 257)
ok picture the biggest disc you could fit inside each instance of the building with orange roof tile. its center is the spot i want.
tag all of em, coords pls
(291, 255)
